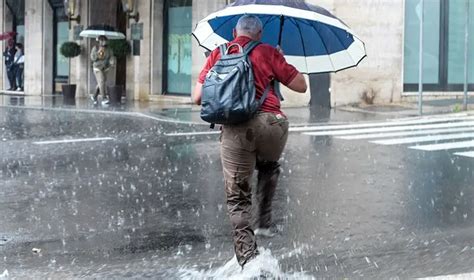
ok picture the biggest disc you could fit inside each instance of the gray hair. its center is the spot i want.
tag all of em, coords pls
(250, 25)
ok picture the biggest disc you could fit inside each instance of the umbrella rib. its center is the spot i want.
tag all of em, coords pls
(302, 42)
(325, 47)
(220, 26)
(201, 43)
(346, 52)
(270, 18)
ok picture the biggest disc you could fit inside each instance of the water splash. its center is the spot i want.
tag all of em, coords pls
(264, 266)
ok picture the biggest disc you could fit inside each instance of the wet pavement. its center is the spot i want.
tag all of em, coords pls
(132, 201)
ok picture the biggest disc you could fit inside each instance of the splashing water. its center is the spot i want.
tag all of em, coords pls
(264, 266)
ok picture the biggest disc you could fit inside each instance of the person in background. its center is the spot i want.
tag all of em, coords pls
(102, 58)
(9, 55)
(19, 66)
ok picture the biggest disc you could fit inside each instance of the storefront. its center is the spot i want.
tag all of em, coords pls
(177, 47)
(444, 45)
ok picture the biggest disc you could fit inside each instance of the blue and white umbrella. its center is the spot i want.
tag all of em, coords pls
(313, 39)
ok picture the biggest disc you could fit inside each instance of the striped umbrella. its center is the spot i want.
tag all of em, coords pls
(313, 39)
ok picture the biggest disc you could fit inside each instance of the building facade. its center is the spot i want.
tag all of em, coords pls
(166, 60)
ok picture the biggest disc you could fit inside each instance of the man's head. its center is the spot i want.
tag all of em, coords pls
(102, 41)
(250, 26)
(11, 43)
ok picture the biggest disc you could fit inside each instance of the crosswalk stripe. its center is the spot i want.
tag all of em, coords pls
(428, 138)
(380, 124)
(466, 154)
(445, 146)
(388, 129)
(465, 276)
(406, 133)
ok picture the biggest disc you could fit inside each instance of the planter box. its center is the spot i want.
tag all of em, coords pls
(69, 94)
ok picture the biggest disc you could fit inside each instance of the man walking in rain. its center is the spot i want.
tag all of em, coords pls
(255, 144)
(9, 55)
(102, 59)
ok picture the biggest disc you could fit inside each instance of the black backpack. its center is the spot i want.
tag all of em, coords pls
(228, 92)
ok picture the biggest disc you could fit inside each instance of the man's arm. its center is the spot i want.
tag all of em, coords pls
(197, 93)
(298, 84)
(94, 54)
(287, 74)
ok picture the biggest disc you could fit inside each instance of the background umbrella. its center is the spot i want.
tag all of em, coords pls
(95, 31)
(313, 39)
(7, 35)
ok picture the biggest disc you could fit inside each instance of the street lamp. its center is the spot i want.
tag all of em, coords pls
(70, 8)
(130, 8)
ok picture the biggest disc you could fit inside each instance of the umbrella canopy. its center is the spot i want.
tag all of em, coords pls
(313, 39)
(94, 31)
(7, 35)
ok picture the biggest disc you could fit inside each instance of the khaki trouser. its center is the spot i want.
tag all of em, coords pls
(257, 143)
(101, 77)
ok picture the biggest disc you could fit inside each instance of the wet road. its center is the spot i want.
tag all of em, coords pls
(132, 201)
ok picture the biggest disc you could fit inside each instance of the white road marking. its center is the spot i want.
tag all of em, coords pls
(192, 133)
(466, 154)
(406, 133)
(73, 140)
(445, 146)
(465, 276)
(428, 138)
(411, 130)
(381, 124)
(387, 129)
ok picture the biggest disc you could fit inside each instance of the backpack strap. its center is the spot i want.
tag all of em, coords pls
(276, 88)
(223, 49)
(264, 95)
(250, 46)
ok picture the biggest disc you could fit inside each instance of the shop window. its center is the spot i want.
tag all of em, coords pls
(443, 50)
(178, 46)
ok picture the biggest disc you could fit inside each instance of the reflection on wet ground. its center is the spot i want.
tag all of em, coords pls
(148, 205)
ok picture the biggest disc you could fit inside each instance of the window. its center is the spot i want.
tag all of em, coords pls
(178, 46)
(62, 63)
(443, 57)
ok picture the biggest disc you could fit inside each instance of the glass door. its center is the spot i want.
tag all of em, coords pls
(178, 47)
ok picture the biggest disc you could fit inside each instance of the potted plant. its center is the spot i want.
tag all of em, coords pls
(120, 48)
(69, 50)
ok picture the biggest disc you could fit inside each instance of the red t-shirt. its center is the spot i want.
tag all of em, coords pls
(268, 64)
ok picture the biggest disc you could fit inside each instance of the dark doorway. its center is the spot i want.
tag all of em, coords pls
(17, 9)
(177, 47)
(110, 13)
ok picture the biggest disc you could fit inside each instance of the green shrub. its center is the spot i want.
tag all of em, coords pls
(121, 48)
(70, 49)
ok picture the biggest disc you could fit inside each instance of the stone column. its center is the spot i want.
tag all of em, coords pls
(7, 25)
(38, 47)
(139, 67)
(201, 9)
(79, 66)
(157, 48)
(3, 43)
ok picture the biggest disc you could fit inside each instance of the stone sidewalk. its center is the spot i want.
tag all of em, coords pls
(170, 105)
